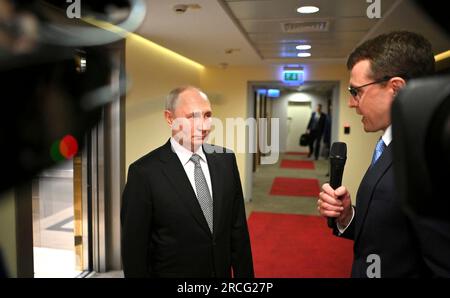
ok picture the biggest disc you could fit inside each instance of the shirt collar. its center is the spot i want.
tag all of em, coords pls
(387, 136)
(184, 154)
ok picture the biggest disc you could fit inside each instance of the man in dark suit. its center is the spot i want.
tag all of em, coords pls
(315, 128)
(183, 210)
(385, 242)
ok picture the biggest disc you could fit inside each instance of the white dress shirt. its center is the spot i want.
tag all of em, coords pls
(387, 139)
(184, 156)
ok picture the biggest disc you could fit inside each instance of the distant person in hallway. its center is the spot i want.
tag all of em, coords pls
(183, 209)
(315, 128)
(385, 238)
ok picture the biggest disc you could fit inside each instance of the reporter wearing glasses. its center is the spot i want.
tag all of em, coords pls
(385, 240)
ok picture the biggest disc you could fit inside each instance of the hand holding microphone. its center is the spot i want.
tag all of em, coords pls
(334, 200)
(336, 205)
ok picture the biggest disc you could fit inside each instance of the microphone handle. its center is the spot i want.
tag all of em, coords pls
(331, 222)
(335, 182)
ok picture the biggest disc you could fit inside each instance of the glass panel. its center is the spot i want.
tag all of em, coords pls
(53, 222)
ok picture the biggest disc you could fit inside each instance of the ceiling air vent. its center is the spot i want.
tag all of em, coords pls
(305, 26)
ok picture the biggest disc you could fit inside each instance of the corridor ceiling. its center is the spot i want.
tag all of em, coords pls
(258, 32)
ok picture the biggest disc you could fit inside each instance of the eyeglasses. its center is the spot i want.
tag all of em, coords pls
(354, 90)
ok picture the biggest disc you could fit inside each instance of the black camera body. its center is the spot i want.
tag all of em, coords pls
(421, 132)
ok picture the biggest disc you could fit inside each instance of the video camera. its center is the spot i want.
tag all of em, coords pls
(421, 130)
(55, 71)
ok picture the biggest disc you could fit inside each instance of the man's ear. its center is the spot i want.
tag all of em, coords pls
(397, 84)
(169, 117)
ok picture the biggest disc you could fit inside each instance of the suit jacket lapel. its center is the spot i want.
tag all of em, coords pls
(217, 185)
(174, 171)
(367, 188)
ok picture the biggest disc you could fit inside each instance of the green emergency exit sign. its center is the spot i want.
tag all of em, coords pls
(290, 76)
(293, 76)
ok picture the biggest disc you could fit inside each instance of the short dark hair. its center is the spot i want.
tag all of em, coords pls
(399, 53)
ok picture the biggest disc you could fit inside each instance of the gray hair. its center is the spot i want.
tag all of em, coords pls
(172, 98)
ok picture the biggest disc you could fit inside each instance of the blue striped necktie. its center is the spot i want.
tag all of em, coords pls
(379, 148)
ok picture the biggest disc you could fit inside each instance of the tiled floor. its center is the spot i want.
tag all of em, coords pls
(109, 274)
(54, 263)
(262, 182)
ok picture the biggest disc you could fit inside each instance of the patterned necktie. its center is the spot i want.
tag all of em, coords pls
(203, 194)
(379, 148)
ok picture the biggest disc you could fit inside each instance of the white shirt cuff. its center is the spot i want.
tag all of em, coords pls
(342, 229)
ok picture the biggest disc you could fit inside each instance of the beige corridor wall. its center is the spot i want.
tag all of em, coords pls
(153, 71)
(228, 90)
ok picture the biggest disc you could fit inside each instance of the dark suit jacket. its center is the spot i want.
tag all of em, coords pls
(164, 232)
(381, 227)
(320, 126)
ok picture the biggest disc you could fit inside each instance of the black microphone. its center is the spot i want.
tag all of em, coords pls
(338, 156)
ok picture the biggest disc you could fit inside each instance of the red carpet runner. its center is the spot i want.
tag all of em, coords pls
(282, 186)
(288, 245)
(297, 164)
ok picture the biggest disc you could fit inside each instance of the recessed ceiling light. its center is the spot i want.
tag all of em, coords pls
(308, 9)
(303, 47)
(304, 54)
